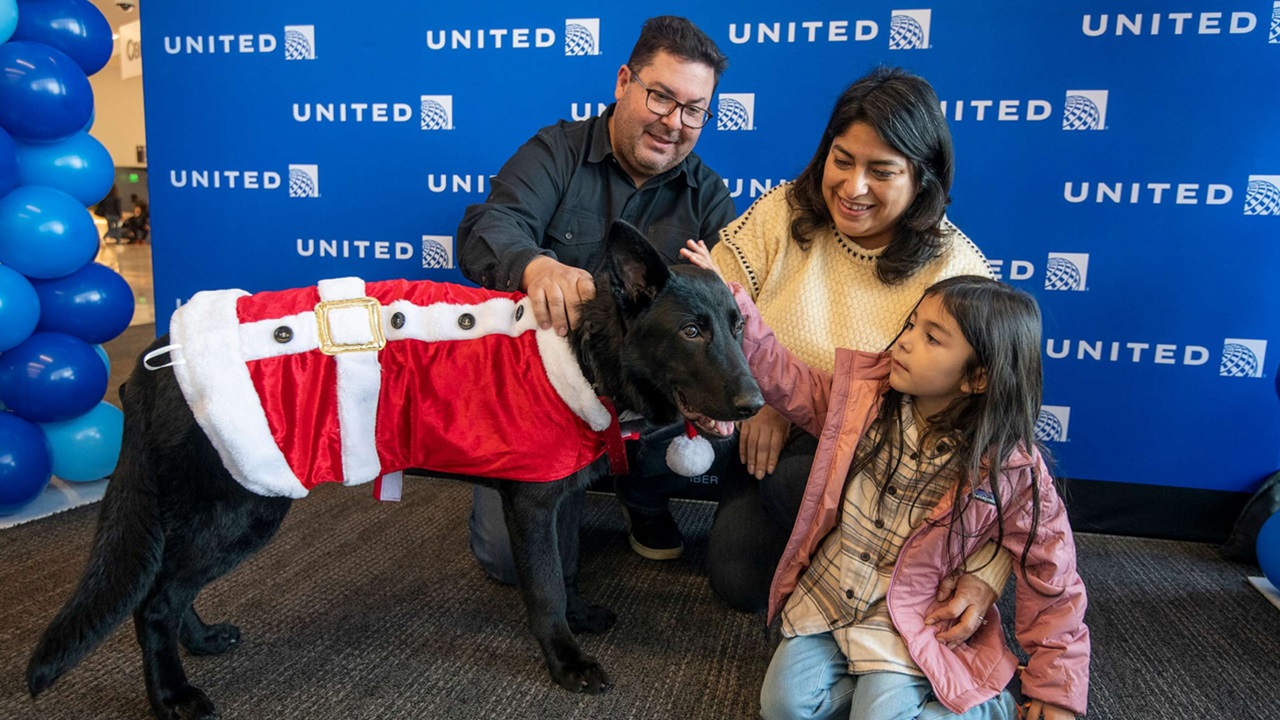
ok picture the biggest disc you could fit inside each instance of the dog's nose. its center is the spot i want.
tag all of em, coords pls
(747, 404)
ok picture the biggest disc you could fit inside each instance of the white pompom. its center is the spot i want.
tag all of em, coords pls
(690, 456)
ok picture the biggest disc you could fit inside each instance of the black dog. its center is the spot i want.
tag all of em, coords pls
(663, 342)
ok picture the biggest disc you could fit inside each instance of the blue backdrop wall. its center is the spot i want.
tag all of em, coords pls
(1117, 159)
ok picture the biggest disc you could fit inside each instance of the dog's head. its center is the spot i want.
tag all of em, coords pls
(680, 340)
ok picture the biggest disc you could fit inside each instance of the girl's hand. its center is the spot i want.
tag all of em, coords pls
(1041, 710)
(760, 440)
(696, 252)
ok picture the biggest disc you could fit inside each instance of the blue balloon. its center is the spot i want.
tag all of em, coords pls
(25, 465)
(19, 308)
(86, 448)
(44, 95)
(44, 232)
(51, 377)
(93, 303)
(8, 18)
(1269, 549)
(77, 165)
(8, 161)
(75, 27)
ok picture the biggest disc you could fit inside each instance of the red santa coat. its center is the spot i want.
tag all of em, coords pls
(348, 381)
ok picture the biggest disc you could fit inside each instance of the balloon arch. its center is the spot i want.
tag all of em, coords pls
(56, 305)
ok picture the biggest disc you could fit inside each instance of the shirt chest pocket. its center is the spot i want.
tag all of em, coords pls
(576, 236)
(668, 239)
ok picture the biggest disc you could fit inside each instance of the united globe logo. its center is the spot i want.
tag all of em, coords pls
(582, 36)
(299, 42)
(304, 181)
(1243, 358)
(736, 111)
(1085, 110)
(1053, 423)
(437, 252)
(1067, 271)
(1262, 196)
(1275, 24)
(909, 29)
(437, 112)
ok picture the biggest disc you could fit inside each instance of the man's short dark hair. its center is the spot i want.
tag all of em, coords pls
(679, 37)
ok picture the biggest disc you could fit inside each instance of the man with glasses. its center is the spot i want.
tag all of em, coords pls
(543, 226)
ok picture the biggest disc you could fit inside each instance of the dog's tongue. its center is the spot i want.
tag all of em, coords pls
(724, 428)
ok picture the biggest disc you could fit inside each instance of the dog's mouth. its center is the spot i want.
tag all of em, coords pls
(708, 425)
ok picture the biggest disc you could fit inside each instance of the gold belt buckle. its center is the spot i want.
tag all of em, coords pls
(371, 306)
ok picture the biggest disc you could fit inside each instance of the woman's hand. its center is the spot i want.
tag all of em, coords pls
(696, 252)
(761, 439)
(1041, 710)
(966, 600)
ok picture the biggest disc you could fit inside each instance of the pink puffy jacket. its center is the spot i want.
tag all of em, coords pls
(837, 408)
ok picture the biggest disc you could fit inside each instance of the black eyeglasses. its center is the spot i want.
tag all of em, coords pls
(660, 103)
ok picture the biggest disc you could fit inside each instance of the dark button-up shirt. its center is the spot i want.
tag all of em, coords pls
(560, 192)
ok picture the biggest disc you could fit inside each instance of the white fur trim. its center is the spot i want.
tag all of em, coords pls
(216, 383)
(690, 456)
(565, 374)
(359, 382)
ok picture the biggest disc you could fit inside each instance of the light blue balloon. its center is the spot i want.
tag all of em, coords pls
(86, 448)
(8, 18)
(77, 165)
(18, 302)
(45, 233)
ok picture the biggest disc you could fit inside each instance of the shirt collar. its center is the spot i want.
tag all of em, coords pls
(602, 148)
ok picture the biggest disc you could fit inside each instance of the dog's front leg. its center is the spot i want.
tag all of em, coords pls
(530, 511)
(582, 617)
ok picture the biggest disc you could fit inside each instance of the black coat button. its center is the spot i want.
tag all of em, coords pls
(848, 594)
(879, 523)
(866, 557)
(466, 321)
(891, 490)
(397, 320)
(283, 334)
(519, 312)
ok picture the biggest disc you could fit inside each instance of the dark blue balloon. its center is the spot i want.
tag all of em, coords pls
(1269, 549)
(44, 95)
(75, 27)
(93, 303)
(25, 463)
(8, 161)
(19, 308)
(44, 232)
(50, 377)
(77, 165)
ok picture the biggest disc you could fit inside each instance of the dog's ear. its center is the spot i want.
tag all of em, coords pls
(637, 272)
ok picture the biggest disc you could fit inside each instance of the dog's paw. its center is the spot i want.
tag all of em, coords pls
(212, 639)
(189, 703)
(582, 676)
(591, 619)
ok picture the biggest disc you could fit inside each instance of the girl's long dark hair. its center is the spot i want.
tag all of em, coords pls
(904, 111)
(983, 430)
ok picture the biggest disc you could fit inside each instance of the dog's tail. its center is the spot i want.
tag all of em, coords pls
(121, 568)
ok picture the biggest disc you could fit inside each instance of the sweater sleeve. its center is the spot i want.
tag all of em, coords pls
(801, 393)
(749, 244)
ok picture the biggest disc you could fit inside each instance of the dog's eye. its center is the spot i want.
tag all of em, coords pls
(739, 326)
(691, 331)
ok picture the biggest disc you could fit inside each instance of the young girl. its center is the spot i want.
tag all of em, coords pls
(926, 453)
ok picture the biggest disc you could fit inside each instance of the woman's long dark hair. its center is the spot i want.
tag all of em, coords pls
(984, 430)
(903, 110)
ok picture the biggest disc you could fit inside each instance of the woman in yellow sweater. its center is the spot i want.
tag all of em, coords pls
(838, 258)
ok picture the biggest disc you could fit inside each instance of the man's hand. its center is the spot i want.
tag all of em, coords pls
(761, 439)
(966, 599)
(1041, 710)
(555, 290)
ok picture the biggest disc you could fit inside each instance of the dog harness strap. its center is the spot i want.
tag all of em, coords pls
(614, 443)
(349, 326)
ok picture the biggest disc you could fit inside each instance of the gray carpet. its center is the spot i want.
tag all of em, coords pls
(368, 610)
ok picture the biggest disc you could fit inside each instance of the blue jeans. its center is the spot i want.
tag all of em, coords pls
(808, 679)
